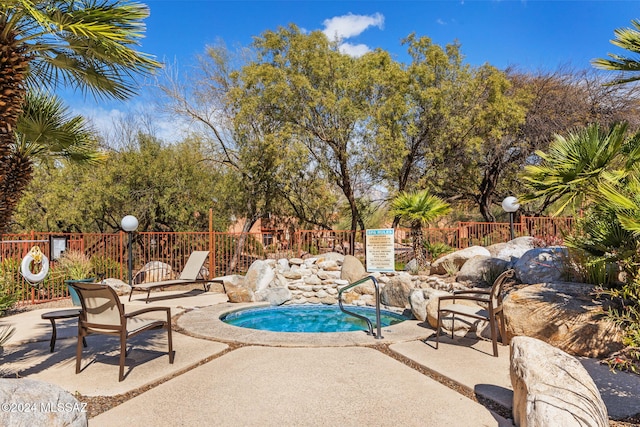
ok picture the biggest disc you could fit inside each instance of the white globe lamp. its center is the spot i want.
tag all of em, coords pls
(510, 204)
(129, 224)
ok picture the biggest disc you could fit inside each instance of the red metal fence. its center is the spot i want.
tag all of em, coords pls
(233, 253)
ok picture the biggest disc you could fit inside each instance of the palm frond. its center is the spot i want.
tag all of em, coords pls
(47, 129)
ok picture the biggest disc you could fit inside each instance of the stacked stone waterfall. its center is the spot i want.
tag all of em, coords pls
(318, 280)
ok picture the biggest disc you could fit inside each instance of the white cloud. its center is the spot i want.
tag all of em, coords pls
(355, 50)
(347, 26)
(350, 25)
(440, 22)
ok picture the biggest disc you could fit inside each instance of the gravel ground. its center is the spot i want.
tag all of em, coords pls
(99, 404)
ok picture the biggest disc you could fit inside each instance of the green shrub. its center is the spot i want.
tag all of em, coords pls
(491, 274)
(74, 265)
(595, 270)
(10, 283)
(104, 267)
(437, 249)
(6, 332)
(451, 267)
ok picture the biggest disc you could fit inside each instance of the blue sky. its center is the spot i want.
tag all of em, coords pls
(532, 35)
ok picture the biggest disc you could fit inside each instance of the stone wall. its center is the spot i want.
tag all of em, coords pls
(318, 280)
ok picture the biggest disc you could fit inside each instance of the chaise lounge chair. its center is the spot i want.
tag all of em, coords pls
(189, 275)
(103, 313)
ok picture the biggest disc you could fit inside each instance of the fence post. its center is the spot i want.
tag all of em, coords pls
(212, 271)
(120, 234)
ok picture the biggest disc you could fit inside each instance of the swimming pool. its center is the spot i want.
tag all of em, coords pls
(308, 318)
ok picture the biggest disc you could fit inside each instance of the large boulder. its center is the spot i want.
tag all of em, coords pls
(551, 388)
(240, 294)
(275, 296)
(352, 269)
(564, 315)
(118, 285)
(154, 271)
(331, 256)
(232, 280)
(396, 292)
(458, 258)
(419, 299)
(38, 403)
(542, 265)
(477, 269)
(512, 249)
(259, 275)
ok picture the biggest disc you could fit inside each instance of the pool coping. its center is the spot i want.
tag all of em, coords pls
(206, 323)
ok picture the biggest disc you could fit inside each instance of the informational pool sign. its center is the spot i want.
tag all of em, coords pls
(379, 250)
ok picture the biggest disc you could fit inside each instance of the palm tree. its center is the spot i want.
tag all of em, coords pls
(628, 39)
(86, 44)
(45, 132)
(419, 209)
(572, 169)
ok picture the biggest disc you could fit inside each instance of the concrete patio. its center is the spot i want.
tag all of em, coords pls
(224, 375)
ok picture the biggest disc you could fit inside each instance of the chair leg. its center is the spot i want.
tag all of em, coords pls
(169, 338)
(494, 333)
(438, 329)
(123, 354)
(81, 341)
(503, 328)
(453, 324)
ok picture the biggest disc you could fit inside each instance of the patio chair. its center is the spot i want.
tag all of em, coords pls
(488, 308)
(103, 313)
(189, 275)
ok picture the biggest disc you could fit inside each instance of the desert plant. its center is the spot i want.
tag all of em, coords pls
(74, 265)
(437, 249)
(490, 274)
(9, 283)
(104, 266)
(6, 332)
(451, 267)
(419, 209)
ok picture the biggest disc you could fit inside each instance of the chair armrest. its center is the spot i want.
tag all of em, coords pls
(479, 291)
(461, 297)
(148, 310)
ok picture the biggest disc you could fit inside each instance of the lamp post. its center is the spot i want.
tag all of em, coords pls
(129, 224)
(510, 204)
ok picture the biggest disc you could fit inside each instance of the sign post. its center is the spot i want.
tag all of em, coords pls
(380, 250)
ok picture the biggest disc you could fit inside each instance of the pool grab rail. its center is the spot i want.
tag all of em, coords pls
(366, 319)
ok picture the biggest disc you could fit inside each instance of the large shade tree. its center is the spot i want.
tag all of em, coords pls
(322, 98)
(87, 45)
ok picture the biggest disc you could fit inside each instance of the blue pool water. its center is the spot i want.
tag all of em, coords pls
(309, 318)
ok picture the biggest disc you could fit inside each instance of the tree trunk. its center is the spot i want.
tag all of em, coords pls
(19, 171)
(419, 251)
(13, 68)
(487, 187)
(237, 252)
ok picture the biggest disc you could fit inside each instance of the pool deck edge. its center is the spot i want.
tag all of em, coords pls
(205, 323)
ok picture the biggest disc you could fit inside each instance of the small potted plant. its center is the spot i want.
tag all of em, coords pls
(75, 267)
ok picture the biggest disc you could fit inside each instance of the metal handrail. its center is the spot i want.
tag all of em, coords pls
(366, 319)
